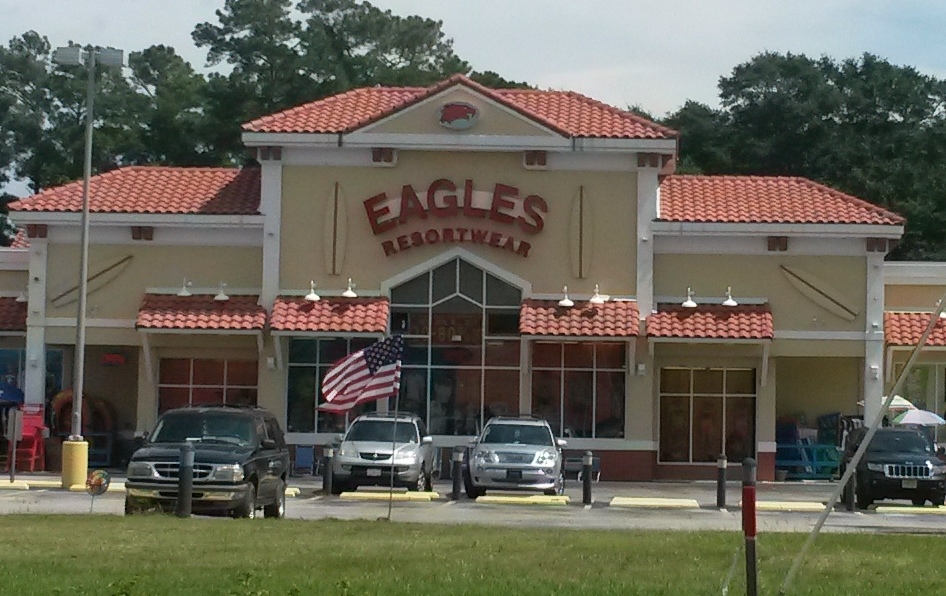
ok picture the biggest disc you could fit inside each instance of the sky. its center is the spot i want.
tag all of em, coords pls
(655, 55)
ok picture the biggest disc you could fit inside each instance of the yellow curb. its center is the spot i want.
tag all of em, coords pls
(524, 500)
(116, 487)
(15, 485)
(77, 488)
(380, 496)
(292, 491)
(907, 509)
(788, 506)
(654, 503)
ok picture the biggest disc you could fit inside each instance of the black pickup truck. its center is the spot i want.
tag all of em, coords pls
(241, 462)
(899, 464)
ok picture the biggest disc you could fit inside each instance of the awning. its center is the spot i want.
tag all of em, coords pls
(614, 319)
(12, 317)
(201, 313)
(905, 329)
(749, 322)
(330, 316)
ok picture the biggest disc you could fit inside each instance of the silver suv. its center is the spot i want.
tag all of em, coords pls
(515, 454)
(364, 456)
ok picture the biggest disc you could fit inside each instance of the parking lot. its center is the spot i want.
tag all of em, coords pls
(782, 507)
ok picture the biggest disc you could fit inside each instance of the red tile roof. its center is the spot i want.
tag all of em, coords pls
(905, 329)
(748, 321)
(763, 199)
(343, 315)
(156, 189)
(20, 241)
(12, 315)
(167, 311)
(570, 114)
(615, 318)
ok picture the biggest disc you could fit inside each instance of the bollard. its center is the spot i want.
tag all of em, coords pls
(849, 492)
(749, 524)
(327, 473)
(456, 472)
(185, 480)
(586, 461)
(721, 463)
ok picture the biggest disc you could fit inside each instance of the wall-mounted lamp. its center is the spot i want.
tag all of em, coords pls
(729, 301)
(689, 303)
(222, 295)
(874, 371)
(22, 297)
(565, 302)
(184, 292)
(596, 298)
(312, 296)
(350, 292)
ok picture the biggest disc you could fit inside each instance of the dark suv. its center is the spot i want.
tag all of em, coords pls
(240, 462)
(899, 464)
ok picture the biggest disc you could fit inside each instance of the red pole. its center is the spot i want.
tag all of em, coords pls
(749, 524)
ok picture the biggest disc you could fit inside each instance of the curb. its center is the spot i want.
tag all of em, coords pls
(653, 503)
(388, 496)
(529, 500)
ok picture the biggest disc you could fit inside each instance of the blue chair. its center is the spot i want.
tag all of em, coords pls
(304, 459)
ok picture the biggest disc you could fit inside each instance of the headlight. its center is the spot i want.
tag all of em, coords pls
(405, 456)
(140, 469)
(938, 469)
(875, 467)
(228, 473)
(347, 451)
(546, 458)
(485, 455)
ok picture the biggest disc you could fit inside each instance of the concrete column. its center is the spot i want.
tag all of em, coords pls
(271, 206)
(873, 388)
(765, 421)
(647, 202)
(35, 372)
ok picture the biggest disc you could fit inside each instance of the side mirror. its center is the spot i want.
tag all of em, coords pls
(561, 442)
(427, 440)
(268, 444)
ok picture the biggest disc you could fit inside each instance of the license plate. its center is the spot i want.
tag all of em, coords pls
(373, 472)
(514, 474)
(909, 483)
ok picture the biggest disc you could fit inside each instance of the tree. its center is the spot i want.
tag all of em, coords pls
(280, 61)
(862, 125)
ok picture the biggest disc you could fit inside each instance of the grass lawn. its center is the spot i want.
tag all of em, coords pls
(153, 555)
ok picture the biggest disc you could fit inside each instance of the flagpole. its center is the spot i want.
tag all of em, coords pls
(397, 403)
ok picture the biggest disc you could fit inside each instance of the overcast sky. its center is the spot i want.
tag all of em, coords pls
(624, 52)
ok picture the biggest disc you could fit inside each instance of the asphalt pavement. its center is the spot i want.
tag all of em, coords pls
(783, 506)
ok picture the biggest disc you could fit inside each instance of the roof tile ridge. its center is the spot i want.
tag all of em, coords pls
(876, 209)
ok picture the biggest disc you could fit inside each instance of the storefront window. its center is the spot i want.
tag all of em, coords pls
(579, 387)
(705, 412)
(461, 361)
(186, 382)
(309, 360)
(13, 370)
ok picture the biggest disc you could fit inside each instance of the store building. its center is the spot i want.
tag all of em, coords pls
(698, 309)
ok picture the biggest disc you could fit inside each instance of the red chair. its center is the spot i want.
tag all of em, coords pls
(31, 450)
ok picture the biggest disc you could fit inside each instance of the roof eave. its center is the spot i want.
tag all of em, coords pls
(679, 228)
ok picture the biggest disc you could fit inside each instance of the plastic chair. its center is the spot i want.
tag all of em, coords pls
(31, 451)
(304, 459)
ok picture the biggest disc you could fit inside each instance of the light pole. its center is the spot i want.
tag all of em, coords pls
(75, 450)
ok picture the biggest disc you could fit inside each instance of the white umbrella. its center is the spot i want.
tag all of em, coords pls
(898, 403)
(919, 417)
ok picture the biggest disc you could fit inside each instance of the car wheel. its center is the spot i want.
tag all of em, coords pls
(429, 483)
(919, 501)
(863, 497)
(938, 500)
(421, 483)
(247, 509)
(472, 492)
(278, 509)
(559, 488)
(339, 487)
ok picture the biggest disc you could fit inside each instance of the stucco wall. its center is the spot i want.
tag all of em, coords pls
(811, 387)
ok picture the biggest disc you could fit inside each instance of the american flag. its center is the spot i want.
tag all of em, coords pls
(368, 374)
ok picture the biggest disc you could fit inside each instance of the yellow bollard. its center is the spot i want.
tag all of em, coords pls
(75, 464)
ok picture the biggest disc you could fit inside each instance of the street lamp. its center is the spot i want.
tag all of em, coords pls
(75, 450)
